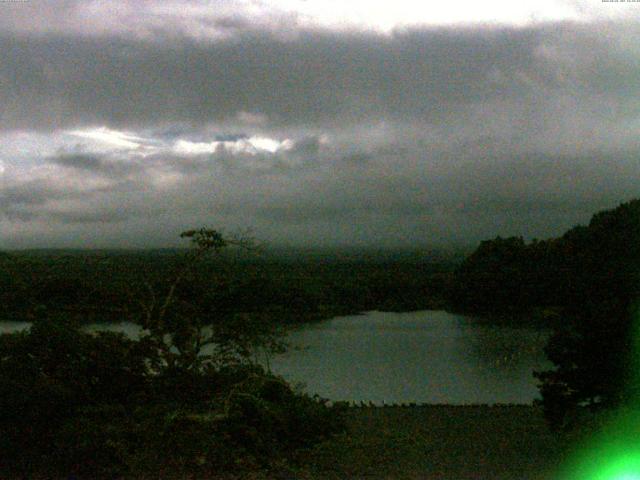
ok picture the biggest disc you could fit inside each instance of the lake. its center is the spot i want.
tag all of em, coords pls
(422, 357)
(426, 356)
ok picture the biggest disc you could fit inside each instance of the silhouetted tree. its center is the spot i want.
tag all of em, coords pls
(100, 405)
(591, 276)
(494, 278)
(179, 323)
(592, 348)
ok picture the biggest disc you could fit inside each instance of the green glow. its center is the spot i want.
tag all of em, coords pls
(622, 466)
(614, 452)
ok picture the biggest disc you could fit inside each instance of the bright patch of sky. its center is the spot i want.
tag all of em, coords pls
(112, 138)
(384, 15)
(27, 152)
(225, 18)
(251, 145)
(21, 145)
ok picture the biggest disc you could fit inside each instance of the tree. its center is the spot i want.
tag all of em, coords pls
(187, 399)
(184, 330)
(49, 376)
(594, 349)
(495, 278)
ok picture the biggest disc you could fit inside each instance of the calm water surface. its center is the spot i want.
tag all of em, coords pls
(422, 357)
(427, 356)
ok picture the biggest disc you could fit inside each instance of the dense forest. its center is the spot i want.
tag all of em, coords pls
(291, 286)
(508, 275)
(586, 285)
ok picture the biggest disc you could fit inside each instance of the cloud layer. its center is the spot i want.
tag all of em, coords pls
(314, 135)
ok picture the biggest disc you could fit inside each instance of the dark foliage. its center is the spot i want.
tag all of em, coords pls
(102, 405)
(50, 375)
(508, 276)
(587, 284)
(108, 285)
(73, 402)
(594, 347)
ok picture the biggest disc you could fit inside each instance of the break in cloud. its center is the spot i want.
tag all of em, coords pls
(122, 124)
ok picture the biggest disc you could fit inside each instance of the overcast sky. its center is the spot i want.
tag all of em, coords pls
(317, 122)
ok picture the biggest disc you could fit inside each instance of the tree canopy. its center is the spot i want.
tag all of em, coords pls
(594, 347)
(186, 399)
(590, 276)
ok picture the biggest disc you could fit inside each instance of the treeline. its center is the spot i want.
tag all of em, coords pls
(586, 285)
(107, 286)
(510, 276)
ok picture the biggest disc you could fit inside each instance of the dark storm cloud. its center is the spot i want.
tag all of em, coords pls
(29, 193)
(81, 161)
(76, 203)
(72, 217)
(95, 163)
(536, 196)
(333, 201)
(25, 201)
(432, 75)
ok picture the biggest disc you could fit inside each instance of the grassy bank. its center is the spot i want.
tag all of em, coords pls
(438, 442)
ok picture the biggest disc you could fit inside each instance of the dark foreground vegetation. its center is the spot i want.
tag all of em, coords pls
(95, 407)
(516, 279)
(183, 400)
(187, 399)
